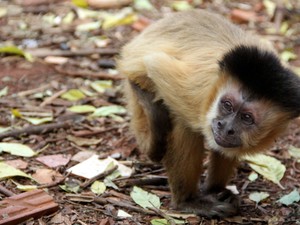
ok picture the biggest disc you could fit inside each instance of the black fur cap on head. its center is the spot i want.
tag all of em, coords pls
(263, 74)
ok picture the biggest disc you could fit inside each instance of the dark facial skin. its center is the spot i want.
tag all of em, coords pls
(234, 117)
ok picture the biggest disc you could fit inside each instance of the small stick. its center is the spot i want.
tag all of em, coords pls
(159, 180)
(6, 192)
(164, 215)
(123, 204)
(101, 175)
(89, 133)
(40, 129)
(33, 91)
(84, 73)
(43, 52)
(48, 100)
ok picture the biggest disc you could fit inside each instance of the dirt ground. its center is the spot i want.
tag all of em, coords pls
(34, 89)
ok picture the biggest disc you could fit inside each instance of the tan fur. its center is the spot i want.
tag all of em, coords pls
(170, 60)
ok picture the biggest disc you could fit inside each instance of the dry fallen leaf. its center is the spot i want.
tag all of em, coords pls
(46, 176)
(18, 163)
(54, 161)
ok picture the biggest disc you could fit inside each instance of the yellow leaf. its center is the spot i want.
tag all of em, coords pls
(287, 56)
(269, 167)
(37, 121)
(101, 85)
(16, 149)
(16, 51)
(16, 113)
(82, 108)
(181, 5)
(270, 7)
(80, 3)
(7, 171)
(73, 95)
(123, 18)
(98, 187)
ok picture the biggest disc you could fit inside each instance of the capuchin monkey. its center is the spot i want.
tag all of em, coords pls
(196, 81)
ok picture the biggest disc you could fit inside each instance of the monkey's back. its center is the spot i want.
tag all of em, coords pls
(196, 37)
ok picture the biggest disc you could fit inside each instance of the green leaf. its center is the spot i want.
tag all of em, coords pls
(258, 196)
(144, 198)
(73, 95)
(294, 152)
(253, 176)
(101, 85)
(80, 3)
(108, 110)
(82, 108)
(165, 222)
(37, 121)
(290, 198)
(7, 171)
(160, 222)
(269, 167)
(17, 149)
(16, 51)
(70, 187)
(98, 187)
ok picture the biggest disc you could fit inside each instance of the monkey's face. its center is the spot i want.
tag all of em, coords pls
(233, 118)
(238, 123)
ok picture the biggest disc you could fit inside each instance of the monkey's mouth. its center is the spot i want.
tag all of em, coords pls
(223, 142)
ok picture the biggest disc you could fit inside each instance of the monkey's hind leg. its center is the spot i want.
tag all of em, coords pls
(183, 162)
(150, 121)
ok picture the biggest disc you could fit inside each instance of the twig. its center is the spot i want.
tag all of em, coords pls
(43, 52)
(124, 204)
(84, 73)
(89, 133)
(104, 174)
(104, 201)
(6, 192)
(164, 215)
(39, 129)
(295, 166)
(48, 100)
(155, 180)
(32, 91)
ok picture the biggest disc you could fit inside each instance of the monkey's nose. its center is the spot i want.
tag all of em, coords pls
(230, 132)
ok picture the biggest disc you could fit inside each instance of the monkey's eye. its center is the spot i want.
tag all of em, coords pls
(227, 106)
(247, 118)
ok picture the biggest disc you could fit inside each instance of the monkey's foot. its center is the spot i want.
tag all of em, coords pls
(222, 205)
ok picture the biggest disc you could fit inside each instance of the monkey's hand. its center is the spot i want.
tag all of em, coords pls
(212, 206)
